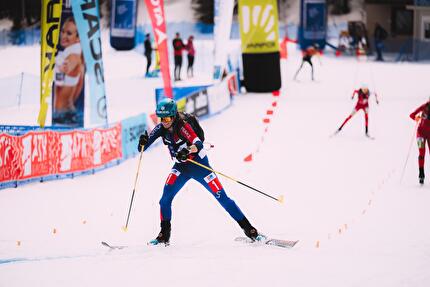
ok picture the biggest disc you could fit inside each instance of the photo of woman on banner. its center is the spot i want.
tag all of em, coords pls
(68, 92)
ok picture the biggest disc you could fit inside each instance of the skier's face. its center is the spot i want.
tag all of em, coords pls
(365, 90)
(167, 122)
(69, 34)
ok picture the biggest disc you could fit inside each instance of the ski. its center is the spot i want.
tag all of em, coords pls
(268, 241)
(113, 247)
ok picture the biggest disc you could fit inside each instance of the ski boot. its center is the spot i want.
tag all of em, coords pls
(164, 235)
(421, 175)
(249, 230)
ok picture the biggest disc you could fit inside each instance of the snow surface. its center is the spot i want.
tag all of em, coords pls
(358, 225)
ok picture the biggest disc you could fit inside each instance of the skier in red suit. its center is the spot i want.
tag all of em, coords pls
(362, 104)
(422, 116)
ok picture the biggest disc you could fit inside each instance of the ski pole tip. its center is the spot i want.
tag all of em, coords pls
(281, 199)
(124, 228)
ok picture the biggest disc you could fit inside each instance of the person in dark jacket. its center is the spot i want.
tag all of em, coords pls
(148, 52)
(379, 35)
(178, 47)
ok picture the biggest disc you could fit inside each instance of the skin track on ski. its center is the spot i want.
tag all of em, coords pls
(269, 241)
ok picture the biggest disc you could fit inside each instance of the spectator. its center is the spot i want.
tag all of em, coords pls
(191, 53)
(379, 35)
(148, 52)
(178, 46)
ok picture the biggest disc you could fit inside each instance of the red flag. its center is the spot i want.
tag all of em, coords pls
(156, 13)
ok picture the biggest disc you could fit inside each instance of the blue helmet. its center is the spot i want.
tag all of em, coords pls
(166, 108)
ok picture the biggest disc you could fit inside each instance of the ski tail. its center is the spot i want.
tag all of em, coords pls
(264, 240)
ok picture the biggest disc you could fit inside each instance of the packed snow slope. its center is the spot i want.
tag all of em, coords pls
(359, 219)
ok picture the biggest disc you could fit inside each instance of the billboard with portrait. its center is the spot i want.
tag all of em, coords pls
(68, 93)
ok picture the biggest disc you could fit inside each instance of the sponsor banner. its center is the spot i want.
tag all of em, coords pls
(223, 17)
(178, 92)
(88, 22)
(197, 103)
(132, 128)
(219, 96)
(68, 95)
(156, 13)
(314, 21)
(259, 26)
(50, 29)
(123, 20)
(21, 130)
(46, 153)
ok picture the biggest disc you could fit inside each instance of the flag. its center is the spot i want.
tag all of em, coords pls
(156, 13)
(88, 21)
(50, 28)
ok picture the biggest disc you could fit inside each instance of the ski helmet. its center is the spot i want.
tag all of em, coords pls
(166, 108)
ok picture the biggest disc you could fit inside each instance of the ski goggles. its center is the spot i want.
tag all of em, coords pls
(166, 119)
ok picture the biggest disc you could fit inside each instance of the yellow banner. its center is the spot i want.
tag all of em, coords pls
(259, 26)
(50, 28)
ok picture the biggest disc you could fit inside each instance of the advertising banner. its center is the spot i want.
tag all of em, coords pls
(88, 23)
(38, 154)
(220, 95)
(123, 24)
(123, 20)
(132, 128)
(178, 92)
(197, 103)
(223, 17)
(313, 23)
(68, 95)
(156, 13)
(259, 26)
(50, 29)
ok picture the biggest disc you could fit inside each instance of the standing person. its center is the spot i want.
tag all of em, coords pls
(307, 57)
(362, 104)
(190, 54)
(69, 76)
(148, 52)
(183, 143)
(379, 35)
(178, 46)
(422, 116)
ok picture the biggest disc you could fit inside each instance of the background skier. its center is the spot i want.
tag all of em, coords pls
(362, 104)
(307, 57)
(422, 116)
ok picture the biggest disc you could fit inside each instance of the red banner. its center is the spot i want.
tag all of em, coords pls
(38, 154)
(158, 20)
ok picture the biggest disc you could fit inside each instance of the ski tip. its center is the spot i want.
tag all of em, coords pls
(124, 228)
(281, 199)
(107, 245)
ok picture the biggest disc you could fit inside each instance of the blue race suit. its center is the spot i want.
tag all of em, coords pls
(181, 172)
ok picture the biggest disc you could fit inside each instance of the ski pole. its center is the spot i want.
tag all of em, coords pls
(409, 151)
(280, 199)
(134, 189)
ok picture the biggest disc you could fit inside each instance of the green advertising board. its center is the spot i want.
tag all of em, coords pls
(259, 26)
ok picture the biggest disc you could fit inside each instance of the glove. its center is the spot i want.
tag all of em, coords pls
(182, 155)
(143, 140)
